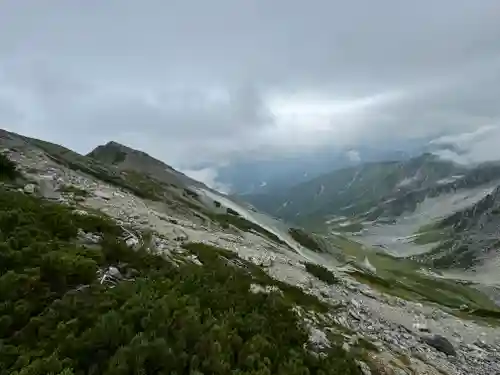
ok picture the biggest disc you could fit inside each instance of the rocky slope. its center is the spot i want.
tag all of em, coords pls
(386, 331)
(467, 237)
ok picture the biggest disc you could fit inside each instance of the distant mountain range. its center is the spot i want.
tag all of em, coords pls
(357, 190)
(268, 175)
(452, 210)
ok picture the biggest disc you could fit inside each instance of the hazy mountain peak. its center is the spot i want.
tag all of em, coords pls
(128, 158)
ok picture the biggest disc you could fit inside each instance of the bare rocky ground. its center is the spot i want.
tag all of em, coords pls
(394, 328)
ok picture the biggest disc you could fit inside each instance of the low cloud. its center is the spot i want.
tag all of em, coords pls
(209, 177)
(229, 82)
(473, 147)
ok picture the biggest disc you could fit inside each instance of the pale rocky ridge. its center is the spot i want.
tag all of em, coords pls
(395, 327)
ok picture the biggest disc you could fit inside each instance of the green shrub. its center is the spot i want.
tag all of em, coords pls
(210, 255)
(170, 320)
(8, 170)
(230, 211)
(74, 190)
(372, 279)
(321, 273)
(305, 239)
(241, 223)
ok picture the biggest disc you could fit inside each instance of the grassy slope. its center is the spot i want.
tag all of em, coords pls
(401, 277)
(431, 233)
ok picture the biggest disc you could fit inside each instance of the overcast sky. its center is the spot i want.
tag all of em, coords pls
(211, 81)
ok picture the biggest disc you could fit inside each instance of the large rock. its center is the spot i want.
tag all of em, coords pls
(114, 272)
(318, 338)
(29, 188)
(365, 369)
(441, 343)
(132, 241)
(102, 194)
(421, 327)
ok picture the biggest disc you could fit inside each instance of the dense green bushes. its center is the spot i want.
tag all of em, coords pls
(230, 211)
(321, 273)
(8, 170)
(210, 256)
(168, 320)
(245, 225)
(76, 191)
(305, 239)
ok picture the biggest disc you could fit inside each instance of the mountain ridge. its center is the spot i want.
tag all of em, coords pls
(125, 157)
(346, 187)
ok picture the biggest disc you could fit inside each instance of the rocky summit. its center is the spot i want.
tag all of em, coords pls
(109, 267)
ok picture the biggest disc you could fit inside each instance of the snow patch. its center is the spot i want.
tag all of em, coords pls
(354, 178)
(449, 180)
(335, 219)
(345, 223)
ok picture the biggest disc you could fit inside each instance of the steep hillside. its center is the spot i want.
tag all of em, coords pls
(372, 187)
(466, 238)
(102, 273)
(126, 158)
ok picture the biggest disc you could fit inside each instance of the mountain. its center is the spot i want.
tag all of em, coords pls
(106, 269)
(357, 190)
(441, 213)
(126, 158)
(278, 173)
(467, 237)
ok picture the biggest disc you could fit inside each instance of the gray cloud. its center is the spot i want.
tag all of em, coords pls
(194, 82)
(480, 145)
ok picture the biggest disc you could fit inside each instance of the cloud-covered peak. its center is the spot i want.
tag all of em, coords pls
(480, 145)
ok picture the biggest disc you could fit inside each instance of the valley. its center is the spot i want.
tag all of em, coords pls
(439, 213)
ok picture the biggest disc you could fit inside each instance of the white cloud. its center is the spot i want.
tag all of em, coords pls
(466, 139)
(453, 156)
(209, 177)
(481, 145)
